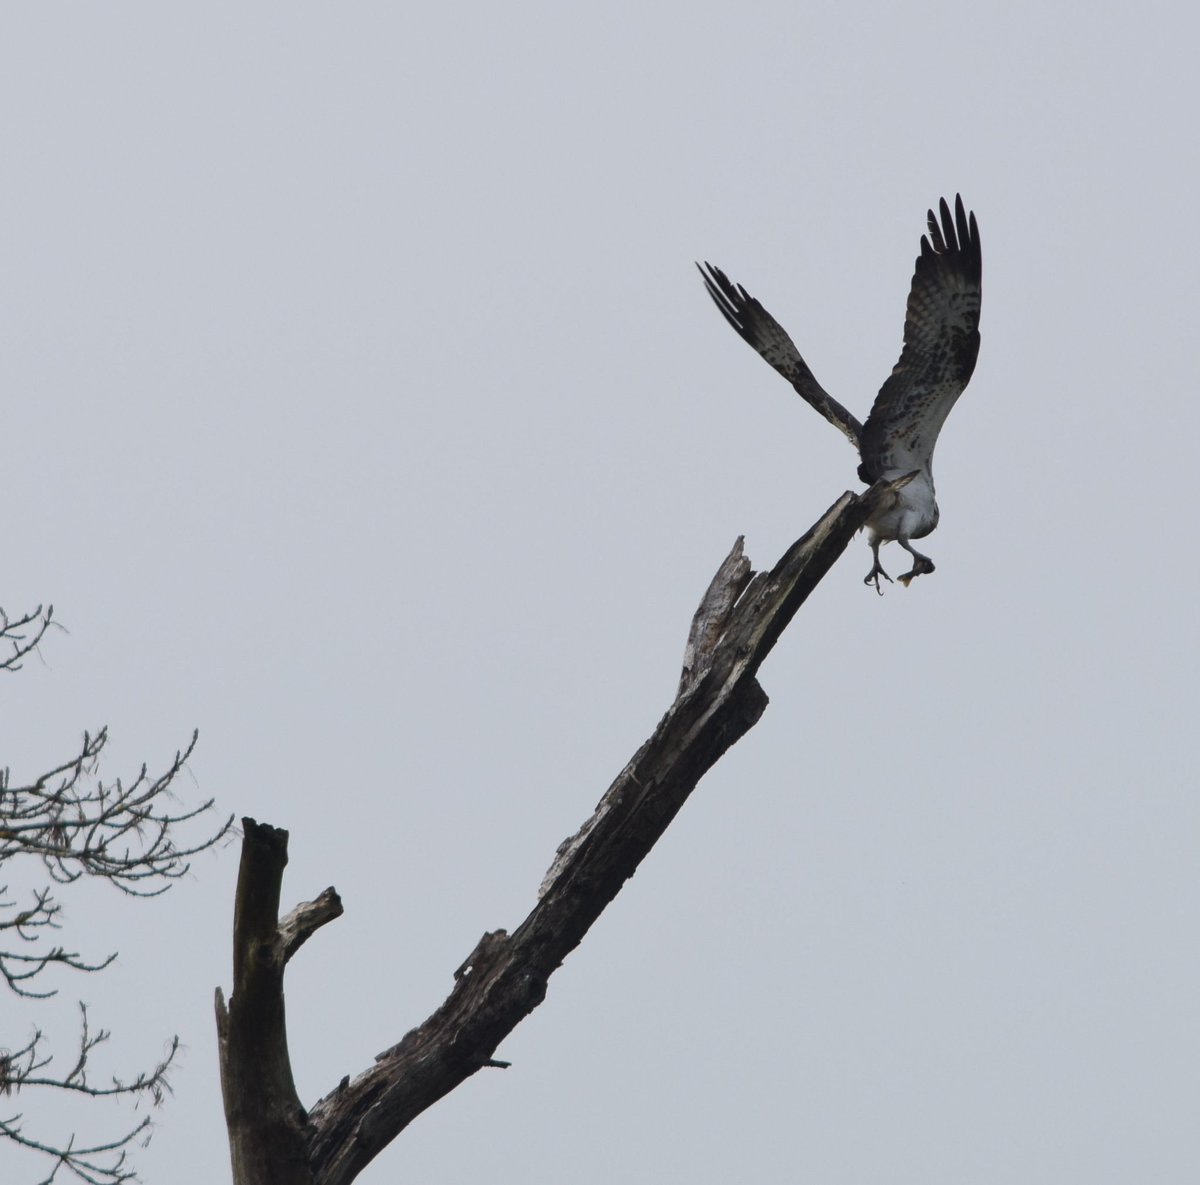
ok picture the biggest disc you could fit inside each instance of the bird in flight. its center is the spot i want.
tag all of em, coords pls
(941, 343)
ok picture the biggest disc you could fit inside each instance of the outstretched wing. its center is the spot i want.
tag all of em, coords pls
(768, 337)
(941, 343)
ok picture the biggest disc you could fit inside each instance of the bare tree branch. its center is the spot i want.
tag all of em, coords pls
(104, 1163)
(80, 1162)
(18, 1070)
(20, 636)
(306, 919)
(262, 1109)
(273, 1140)
(80, 827)
(122, 832)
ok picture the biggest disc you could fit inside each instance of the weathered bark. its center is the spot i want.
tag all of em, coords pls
(712, 616)
(504, 978)
(268, 1133)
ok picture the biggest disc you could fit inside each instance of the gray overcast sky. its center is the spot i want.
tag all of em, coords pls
(363, 409)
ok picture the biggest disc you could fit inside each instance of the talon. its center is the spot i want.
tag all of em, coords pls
(922, 567)
(873, 578)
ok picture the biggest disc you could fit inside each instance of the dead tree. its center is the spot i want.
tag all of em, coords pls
(273, 1139)
(123, 833)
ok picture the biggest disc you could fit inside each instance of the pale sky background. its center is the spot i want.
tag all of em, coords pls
(363, 409)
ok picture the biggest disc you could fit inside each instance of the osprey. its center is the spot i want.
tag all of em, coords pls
(941, 343)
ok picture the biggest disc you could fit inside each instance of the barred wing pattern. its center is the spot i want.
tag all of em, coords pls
(756, 326)
(941, 344)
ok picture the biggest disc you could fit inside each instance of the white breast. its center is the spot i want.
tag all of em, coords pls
(911, 514)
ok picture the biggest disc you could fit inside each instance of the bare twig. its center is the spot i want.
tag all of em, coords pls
(78, 826)
(20, 636)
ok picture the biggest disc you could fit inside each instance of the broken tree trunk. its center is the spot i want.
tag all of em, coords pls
(273, 1140)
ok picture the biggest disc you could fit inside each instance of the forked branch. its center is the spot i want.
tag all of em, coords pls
(274, 1141)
